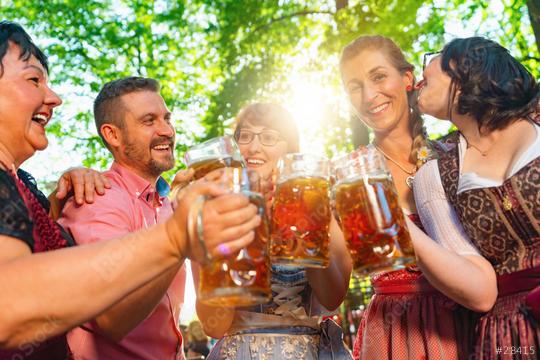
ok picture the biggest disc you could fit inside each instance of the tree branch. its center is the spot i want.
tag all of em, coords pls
(526, 58)
(534, 16)
(289, 16)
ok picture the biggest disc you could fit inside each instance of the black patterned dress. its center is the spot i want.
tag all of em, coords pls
(24, 216)
(503, 222)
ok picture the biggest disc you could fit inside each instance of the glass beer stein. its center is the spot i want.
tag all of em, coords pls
(213, 154)
(242, 280)
(301, 212)
(369, 214)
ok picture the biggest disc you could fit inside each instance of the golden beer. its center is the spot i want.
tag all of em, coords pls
(300, 222)
(373, 223)
(205, 166)
(216, 153)
(242, 280)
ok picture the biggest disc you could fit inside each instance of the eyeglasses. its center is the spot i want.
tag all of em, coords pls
(267, 138)
(428, 57)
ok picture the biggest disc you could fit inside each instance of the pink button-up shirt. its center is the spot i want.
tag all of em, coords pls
(131, 204)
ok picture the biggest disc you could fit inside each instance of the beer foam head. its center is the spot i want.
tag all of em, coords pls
(303, 165)
(365, 161)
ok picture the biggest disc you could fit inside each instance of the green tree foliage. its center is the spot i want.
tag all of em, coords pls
(512, 26)
(214, 56)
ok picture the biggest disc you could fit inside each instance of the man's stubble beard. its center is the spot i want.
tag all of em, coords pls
(136, 156)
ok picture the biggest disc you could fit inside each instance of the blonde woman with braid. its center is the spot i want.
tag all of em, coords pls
(407, 317)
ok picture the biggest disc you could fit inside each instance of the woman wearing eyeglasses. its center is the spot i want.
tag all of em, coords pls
(288, 327)
(408, 318)
(486, 189)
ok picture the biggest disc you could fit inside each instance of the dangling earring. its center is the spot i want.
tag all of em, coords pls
(408, 88)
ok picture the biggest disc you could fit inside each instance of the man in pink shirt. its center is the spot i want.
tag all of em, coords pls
(135, 125)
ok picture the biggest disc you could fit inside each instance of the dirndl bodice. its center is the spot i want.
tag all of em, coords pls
(503, 222)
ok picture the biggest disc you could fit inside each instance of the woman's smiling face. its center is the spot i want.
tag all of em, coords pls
(259, 157)
(26, 105)
(377, 90)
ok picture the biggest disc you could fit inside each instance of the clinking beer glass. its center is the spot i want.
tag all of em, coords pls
(244, 279)
(369, 214)
(301, 212)
(213, 154)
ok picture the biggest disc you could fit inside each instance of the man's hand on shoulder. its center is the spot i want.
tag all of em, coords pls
(81, 183)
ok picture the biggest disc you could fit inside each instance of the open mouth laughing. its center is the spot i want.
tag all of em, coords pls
(255, 162)
(41, 118)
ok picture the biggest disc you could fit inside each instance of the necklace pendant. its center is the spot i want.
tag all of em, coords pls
(507, 203)
(409, 181)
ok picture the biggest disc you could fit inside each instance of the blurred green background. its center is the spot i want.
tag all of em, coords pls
(214, 56)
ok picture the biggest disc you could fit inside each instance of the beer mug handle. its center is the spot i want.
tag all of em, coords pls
(195, 224)
(332, 197)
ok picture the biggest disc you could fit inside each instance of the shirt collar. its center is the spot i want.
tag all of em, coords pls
(141, 188)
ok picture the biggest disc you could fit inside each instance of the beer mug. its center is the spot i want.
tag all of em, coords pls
(213, 154)
(242, 280)
(369, 214)
(301, 212)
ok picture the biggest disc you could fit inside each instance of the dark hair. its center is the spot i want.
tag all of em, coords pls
(108, 106)
(397, 59)
(495, 88)
(12, 32)
(272, 116)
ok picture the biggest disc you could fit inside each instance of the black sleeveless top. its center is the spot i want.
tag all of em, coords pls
(17, 221)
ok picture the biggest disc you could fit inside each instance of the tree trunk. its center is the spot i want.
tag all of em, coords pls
(534, 15)
(340, 4)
